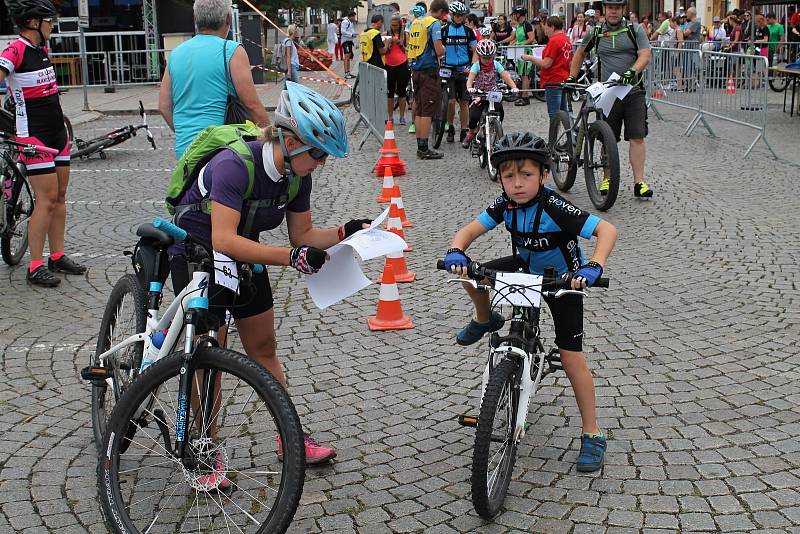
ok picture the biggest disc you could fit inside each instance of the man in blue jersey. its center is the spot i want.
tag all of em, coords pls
(459, 42)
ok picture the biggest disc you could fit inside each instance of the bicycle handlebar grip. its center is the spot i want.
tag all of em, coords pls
(258, 268)
(601, 282)
(178, 233)
(47, 150)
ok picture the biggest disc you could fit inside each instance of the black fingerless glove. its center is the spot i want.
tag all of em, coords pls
(307, 260)
(351, 227)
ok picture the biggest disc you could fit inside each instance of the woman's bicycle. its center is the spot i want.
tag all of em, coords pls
(577, 143)
(200, 437)
(16, 197)
(85, 148)
(516, 365)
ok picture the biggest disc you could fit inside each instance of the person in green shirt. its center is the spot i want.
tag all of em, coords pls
(663, 28)
(776, 33)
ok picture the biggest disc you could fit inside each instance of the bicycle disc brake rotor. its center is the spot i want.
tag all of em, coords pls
(210, 465)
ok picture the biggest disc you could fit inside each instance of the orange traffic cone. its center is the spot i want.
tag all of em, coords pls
(398, 201)
(388, 186)
(398, 263)
(730, 87)
(395, 226)
(389, 315)
(389, 154)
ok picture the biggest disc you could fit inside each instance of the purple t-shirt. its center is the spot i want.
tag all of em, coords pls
(225, 179)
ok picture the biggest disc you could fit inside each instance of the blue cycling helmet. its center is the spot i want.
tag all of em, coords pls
(313, 118)
(418, 11)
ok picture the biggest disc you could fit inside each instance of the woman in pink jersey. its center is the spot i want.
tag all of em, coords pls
(24, 64)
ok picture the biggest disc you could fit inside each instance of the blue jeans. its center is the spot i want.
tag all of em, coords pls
(556, 100)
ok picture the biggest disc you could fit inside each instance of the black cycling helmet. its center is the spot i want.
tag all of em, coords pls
(520, 10)
(22, 11)
(614, 2)
(520, 145)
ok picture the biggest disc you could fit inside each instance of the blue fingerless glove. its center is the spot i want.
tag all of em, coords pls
(455, 258)
(589, 272)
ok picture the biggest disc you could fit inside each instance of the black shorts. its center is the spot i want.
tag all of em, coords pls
(567, 311)
(397, 77)
(457, 86)
(347, 47)
(253, 299)
(631, 111)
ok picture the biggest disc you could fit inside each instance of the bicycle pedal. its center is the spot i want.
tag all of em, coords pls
(97, 374)
(468, 420)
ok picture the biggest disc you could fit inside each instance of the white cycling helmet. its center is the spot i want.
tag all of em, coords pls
(590, 13)
(486, 48)
(458, 8)
(485, 32)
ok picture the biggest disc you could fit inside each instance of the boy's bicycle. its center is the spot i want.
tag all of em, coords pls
(516, 366)
(198, 434)
(490, 129)
(16, 197)
(84, 149)
(592, 145)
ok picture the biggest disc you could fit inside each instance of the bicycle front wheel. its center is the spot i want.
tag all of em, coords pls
(355, 96)
(244, 461)
(778, 81)
(561, 151)
(495, 133)
(495, 451)
(438, 124)
(19, 209)
(601, 165)
(124, 316)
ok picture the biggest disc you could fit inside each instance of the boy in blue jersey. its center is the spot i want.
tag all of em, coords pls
(544, 231)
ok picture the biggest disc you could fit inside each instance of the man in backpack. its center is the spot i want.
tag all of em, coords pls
(622, 48)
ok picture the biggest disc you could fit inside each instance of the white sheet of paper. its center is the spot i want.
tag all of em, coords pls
(379, 219)
(518, 296)
(338, 279)
(226, 273)
(614, 77)
(596, 89)
(611, 95)
(514, 53)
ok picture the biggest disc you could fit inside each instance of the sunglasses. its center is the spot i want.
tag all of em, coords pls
(50, 21)
(317, 154)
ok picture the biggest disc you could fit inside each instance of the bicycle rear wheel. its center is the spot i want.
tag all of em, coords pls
(355, 96)
(778, 81)
(19, 209)
(495, 451)
(124, 316)
(601, 161)
(495, 133)
(561, 150)
(244, 413)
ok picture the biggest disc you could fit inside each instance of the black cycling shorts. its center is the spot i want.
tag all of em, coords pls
(632, 112)
(347, 47)
(567, 311)
(253, 299)
(457, 85)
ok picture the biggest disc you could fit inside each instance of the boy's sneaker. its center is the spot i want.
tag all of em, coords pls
(429, 154)
(65, 265)
(412, 128)
(463, 135)
(467, 140)
(315, 453)
(604, 185)
(523, 101)
(42, 277)
(474, 331)
(451, 135)
(593, 449)
(642, 190)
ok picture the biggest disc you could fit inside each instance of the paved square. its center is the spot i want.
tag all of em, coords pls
(693, 349)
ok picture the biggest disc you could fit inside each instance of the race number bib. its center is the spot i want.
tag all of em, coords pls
(226, 274)
(494, 96)
(445, 73)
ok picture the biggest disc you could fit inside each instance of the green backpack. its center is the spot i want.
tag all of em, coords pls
(205, 146)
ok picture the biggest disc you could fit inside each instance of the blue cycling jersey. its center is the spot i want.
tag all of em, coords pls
(555, 242)
(458, 40)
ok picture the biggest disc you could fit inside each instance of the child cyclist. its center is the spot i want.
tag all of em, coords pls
(544, 231)
(483, 77)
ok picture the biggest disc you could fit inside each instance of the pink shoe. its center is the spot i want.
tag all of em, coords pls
(216, 480)
(315, 453)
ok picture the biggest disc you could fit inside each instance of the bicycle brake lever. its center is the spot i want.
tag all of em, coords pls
(561, 292)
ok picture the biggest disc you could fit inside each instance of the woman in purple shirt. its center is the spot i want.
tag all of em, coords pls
(307, 128)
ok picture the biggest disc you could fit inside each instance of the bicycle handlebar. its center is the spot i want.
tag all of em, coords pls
(477, 272)
(27, 147)
(177, 233)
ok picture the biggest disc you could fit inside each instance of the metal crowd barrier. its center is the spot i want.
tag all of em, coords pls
(133, 67)
(68, 68)
(373, 94)
(516, 50)
(728, 87)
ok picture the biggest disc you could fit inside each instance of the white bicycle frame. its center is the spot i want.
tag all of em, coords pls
(173, 318)
(528, 385)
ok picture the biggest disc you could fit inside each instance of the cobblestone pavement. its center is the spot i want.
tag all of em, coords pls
(694, 352)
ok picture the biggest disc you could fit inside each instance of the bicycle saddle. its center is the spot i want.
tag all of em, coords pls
(148, 230)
